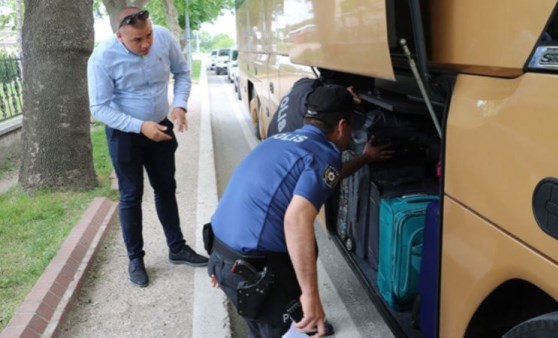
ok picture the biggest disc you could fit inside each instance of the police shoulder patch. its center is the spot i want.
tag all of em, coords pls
(331, 177)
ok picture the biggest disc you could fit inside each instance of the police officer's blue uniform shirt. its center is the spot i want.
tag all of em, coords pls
(250, 215)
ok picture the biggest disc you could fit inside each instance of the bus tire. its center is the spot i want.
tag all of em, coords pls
(349, 244)
(544, 326)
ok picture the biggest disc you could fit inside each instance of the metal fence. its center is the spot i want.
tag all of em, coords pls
(11, 88)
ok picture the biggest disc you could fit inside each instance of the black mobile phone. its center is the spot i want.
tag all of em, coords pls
(294, 309)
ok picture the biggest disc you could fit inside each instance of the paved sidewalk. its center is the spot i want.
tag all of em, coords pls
(109, 306)
(179, 301)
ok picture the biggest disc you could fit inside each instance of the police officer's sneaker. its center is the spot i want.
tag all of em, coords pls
(187, 256)
(137, 273)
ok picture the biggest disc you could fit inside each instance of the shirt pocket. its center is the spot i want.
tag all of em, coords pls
(159, 68)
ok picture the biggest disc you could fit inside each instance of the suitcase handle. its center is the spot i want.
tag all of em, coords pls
(412, 250)
(418, 198)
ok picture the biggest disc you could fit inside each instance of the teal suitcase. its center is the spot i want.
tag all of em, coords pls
(402, 222)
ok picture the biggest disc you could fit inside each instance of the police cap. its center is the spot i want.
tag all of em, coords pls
(329, 99)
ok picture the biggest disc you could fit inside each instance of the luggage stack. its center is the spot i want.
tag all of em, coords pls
(383, 205)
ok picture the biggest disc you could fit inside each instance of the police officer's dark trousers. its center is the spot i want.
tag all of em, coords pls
(273, 321)
(130, 153)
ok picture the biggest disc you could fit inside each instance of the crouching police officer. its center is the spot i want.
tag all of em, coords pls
(264, 250)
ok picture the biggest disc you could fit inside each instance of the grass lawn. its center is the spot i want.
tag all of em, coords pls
(8, 167)
(196, 68)
(33, 227)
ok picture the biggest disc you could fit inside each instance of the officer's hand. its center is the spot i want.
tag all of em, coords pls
(314, 315)
(214, 282)
(178, 117)
(377, 153)
(356, 98)
(154, 131)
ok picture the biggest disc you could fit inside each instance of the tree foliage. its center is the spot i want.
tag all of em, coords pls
(222, 41)
(8, 18)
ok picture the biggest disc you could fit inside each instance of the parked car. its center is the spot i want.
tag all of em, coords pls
(212, 59)
(222, 61)
(232, 66)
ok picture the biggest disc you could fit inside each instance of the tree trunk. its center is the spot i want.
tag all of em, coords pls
(172, 20)
(114, 6)
(57, 41)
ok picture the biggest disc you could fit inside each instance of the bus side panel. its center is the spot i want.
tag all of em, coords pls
(349, 36)
(501, 142)
(486, 37)
(253, 57)
(476, 258)
(289, 73)
(251, 26)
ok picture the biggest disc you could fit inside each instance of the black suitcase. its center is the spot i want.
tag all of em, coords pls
(345, 192)
(358, 212)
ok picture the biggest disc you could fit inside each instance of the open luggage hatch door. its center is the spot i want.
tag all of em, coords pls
(349, 36)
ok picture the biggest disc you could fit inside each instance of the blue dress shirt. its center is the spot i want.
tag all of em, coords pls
(126, 89)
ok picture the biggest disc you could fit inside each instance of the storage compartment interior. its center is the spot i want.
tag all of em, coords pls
(391, 113)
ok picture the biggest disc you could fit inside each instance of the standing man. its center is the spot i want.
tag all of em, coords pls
(266, 217)
(128, 78)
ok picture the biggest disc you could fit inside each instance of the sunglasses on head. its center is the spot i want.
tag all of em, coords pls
(133, 18)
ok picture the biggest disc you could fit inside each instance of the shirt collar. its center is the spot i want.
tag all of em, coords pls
(308, 128)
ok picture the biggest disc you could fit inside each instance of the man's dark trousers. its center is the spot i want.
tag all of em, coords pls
(130, 153)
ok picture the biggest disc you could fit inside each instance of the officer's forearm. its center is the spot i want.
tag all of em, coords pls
(299, 235)
(351, 166)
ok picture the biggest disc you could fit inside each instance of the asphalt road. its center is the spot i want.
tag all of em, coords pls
(347, 305)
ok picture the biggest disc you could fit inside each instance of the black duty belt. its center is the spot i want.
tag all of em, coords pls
(258, 259)
(226, 252)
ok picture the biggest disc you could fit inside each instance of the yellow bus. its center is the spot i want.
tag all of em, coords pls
(481, 77)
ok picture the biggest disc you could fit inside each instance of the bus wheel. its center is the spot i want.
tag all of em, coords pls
(254, 111)
(545, 326)
(349, 244)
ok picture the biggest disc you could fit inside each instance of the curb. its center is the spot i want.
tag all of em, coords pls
(43, 310)
(210, 316)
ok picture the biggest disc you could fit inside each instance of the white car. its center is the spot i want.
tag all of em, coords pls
(232, 66)
(211, 60)
(222, 61)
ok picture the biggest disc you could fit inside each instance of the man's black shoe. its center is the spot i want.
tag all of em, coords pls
(137, 273)
(329, 331)
(187, 256)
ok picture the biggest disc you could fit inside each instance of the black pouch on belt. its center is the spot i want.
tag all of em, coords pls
(253, 291)
(207, 233)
